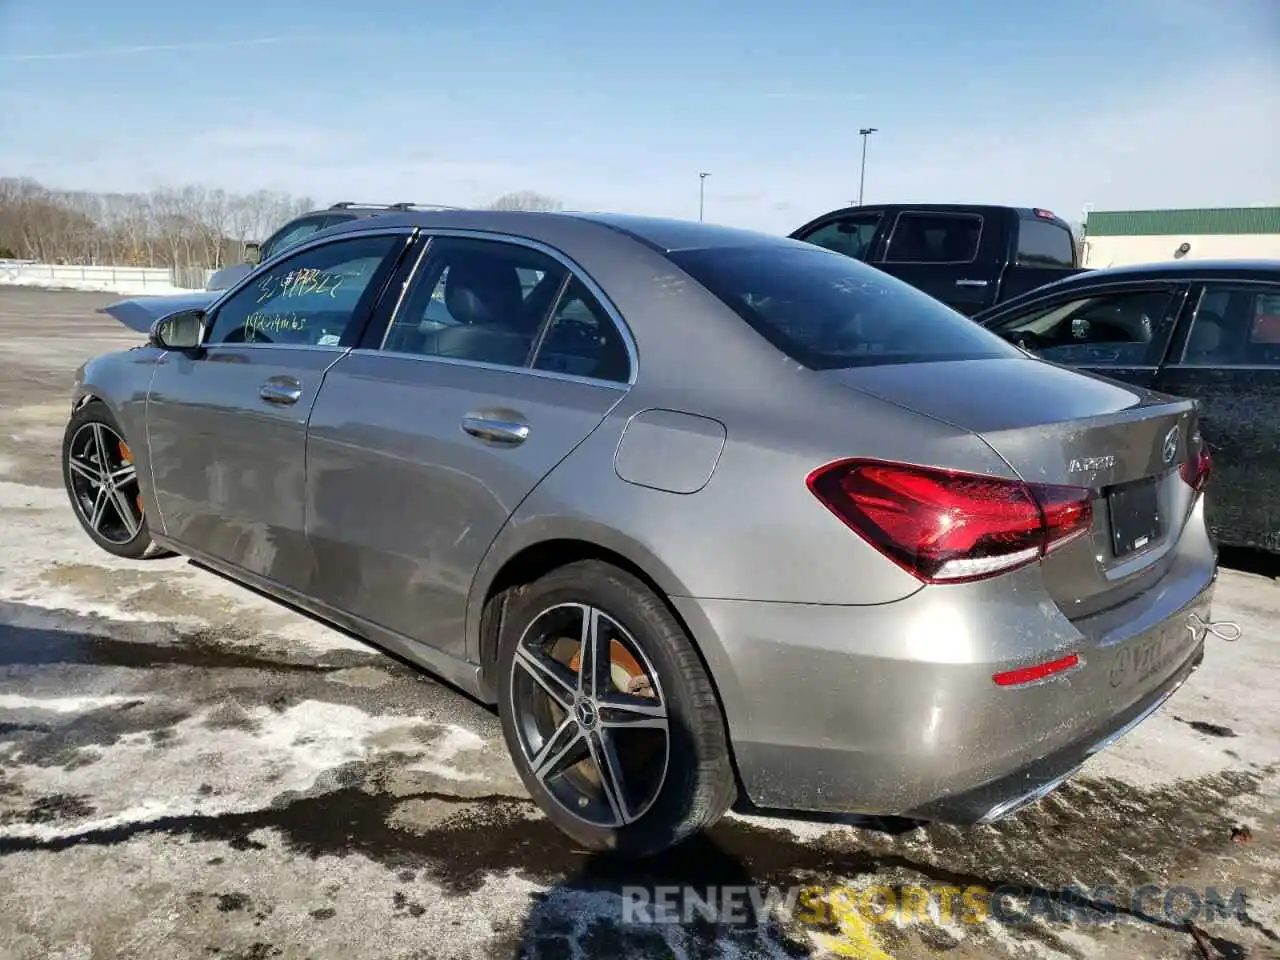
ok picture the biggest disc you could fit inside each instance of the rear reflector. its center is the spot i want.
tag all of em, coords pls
(1013, 678)
(943, 526)
(1195, 470)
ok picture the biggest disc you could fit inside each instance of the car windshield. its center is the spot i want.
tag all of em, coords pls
(828, 311)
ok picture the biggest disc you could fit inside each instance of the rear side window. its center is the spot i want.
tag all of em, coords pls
(935, 238)
(827, 311)
(1235, 327)
(1043, 243)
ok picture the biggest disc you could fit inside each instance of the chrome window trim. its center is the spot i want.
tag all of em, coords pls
(485, 365)
(897, 222)
(495, 236)
(323, 348)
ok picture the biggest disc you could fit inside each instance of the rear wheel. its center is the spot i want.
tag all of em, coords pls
(101, 478)
(609, 714)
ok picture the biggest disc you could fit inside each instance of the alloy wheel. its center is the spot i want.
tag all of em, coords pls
(104, 483)
(590, 715)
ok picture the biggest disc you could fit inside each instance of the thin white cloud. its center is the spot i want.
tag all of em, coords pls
(143, 48)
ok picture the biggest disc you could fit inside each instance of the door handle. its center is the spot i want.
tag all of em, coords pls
(508, 432)
(971, 283)
(281, 390)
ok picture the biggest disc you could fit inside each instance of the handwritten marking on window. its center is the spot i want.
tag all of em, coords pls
(267, 323)
(299, 283)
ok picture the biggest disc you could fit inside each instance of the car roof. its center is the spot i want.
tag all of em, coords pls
(1022, 213)
(665, 235)
(1238, 269)
(1171, 270)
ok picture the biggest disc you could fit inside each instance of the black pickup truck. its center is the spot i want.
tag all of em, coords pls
(970, 257)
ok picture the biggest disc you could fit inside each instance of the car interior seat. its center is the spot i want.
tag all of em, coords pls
(1206, 343)
(484, 297)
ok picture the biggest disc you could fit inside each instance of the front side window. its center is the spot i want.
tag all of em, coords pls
(851, 235)
(1108, 329)
(313, 298)
(1043, 243)
(1235, 327)
(935, 238)
(828, 311)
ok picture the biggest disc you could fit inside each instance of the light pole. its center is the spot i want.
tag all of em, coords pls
(702, 193)
(862, 178)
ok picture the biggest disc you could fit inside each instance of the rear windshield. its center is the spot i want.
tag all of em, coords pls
(828, 311)
(1043, 243)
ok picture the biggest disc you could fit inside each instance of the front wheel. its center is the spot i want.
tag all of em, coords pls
(609, 714)
(102, 481)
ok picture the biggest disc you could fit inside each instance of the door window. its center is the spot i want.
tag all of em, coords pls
(1235, 327)
(582, 339)
(1125, 329)
(935, 238)
(850, 235)
(488, 301)
(477, 300)
(314, 298)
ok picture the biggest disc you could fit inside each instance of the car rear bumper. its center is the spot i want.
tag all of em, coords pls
(892, 709)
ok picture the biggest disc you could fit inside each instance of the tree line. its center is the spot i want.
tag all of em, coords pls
(190, 227)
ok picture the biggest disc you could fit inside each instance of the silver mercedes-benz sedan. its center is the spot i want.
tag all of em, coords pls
(708, 514)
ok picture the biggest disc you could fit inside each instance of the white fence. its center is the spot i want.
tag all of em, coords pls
(106, 279)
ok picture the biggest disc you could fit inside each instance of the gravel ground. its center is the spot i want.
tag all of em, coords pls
(190, 770)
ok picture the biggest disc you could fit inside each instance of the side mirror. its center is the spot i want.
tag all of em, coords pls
(252, 253)
(183, 330)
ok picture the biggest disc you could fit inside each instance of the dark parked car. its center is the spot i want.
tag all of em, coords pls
(297, 230)
(968, 256)
(1205, 330)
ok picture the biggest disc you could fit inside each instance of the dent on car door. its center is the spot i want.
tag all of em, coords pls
(1229, 362)
(421, 447)
(226, 424)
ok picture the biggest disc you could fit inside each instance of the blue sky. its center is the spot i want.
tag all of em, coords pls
(1112, 103)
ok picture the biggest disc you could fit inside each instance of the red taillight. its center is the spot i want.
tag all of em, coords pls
(1196, 468)
(1013, 678)
(944, 526)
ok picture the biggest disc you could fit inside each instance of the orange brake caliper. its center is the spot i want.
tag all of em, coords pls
(126, 456)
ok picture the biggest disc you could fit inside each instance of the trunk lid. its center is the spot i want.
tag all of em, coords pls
(1055, 425)
(138, 313)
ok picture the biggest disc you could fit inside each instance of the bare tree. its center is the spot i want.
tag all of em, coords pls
(192, 227)
(526, 200)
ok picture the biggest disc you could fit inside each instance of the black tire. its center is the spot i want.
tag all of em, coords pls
(118, 540)
(698, 783)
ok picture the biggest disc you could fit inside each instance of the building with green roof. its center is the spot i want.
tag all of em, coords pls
(1114, 238)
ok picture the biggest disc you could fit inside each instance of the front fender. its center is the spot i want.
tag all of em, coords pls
(121, 382)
